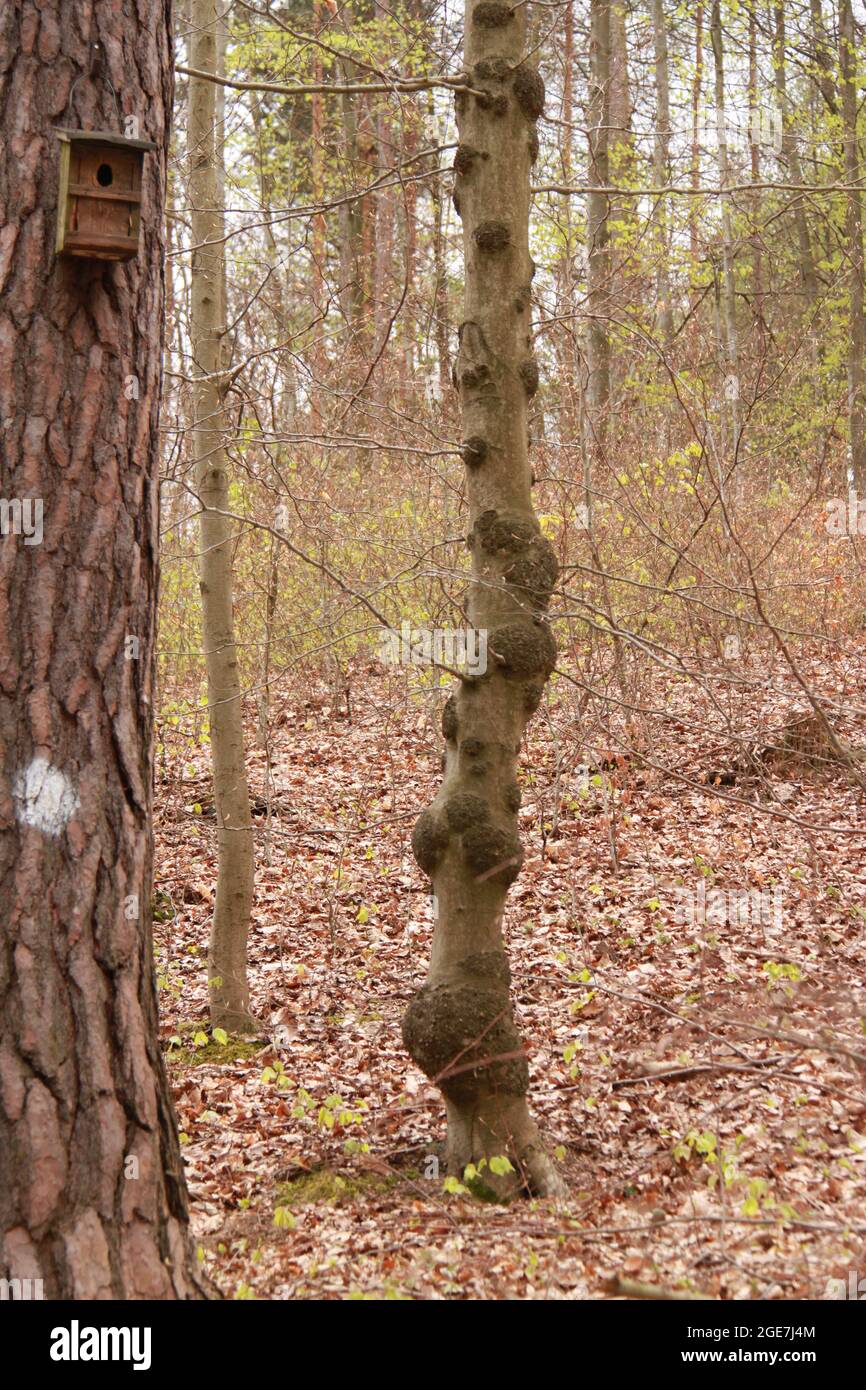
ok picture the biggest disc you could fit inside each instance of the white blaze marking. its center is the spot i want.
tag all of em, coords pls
(44, 797)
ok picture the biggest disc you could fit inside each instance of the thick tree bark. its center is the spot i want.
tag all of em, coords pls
(92, 1193)
(853, 170)
(227, 955)
(460, 1027)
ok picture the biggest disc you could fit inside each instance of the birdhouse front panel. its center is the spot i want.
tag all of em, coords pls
(99, 204)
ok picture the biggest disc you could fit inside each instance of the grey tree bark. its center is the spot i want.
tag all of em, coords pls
(460, 1027)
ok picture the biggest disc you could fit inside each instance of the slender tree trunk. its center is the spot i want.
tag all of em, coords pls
(791, 156)
(694, 261)
(563, 335)
(822, 56)
(92, 1193)
(318, 237)
(408, 320)
(853, 169)
(729, 315)
(755, 171)
(441, 321)
(227, 956)
(384, 243)
(597, 227)
(621, 158)
(460, 1027)
(662, 168)
(569, 356)
(349, 213)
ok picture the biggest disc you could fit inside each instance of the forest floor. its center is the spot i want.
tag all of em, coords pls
(700, 1081)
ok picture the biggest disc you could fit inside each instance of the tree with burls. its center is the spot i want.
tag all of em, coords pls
(460, 1027)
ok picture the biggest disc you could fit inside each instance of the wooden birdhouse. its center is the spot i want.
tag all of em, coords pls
(99, 198)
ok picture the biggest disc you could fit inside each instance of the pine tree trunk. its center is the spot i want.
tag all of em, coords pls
(460, 1028)
(227, 955)
(92, 1192)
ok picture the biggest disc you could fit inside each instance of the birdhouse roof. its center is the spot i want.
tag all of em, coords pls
(104, 137)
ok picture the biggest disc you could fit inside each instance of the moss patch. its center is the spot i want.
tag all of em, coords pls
(336, 1189)
(213, 1053)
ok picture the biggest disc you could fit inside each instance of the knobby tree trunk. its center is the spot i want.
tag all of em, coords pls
(92, 1193)
(460, 1028)
(227, 955)
(853, 171)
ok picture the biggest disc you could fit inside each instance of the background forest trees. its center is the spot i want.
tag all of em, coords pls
(696, 314)
(589, 372)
